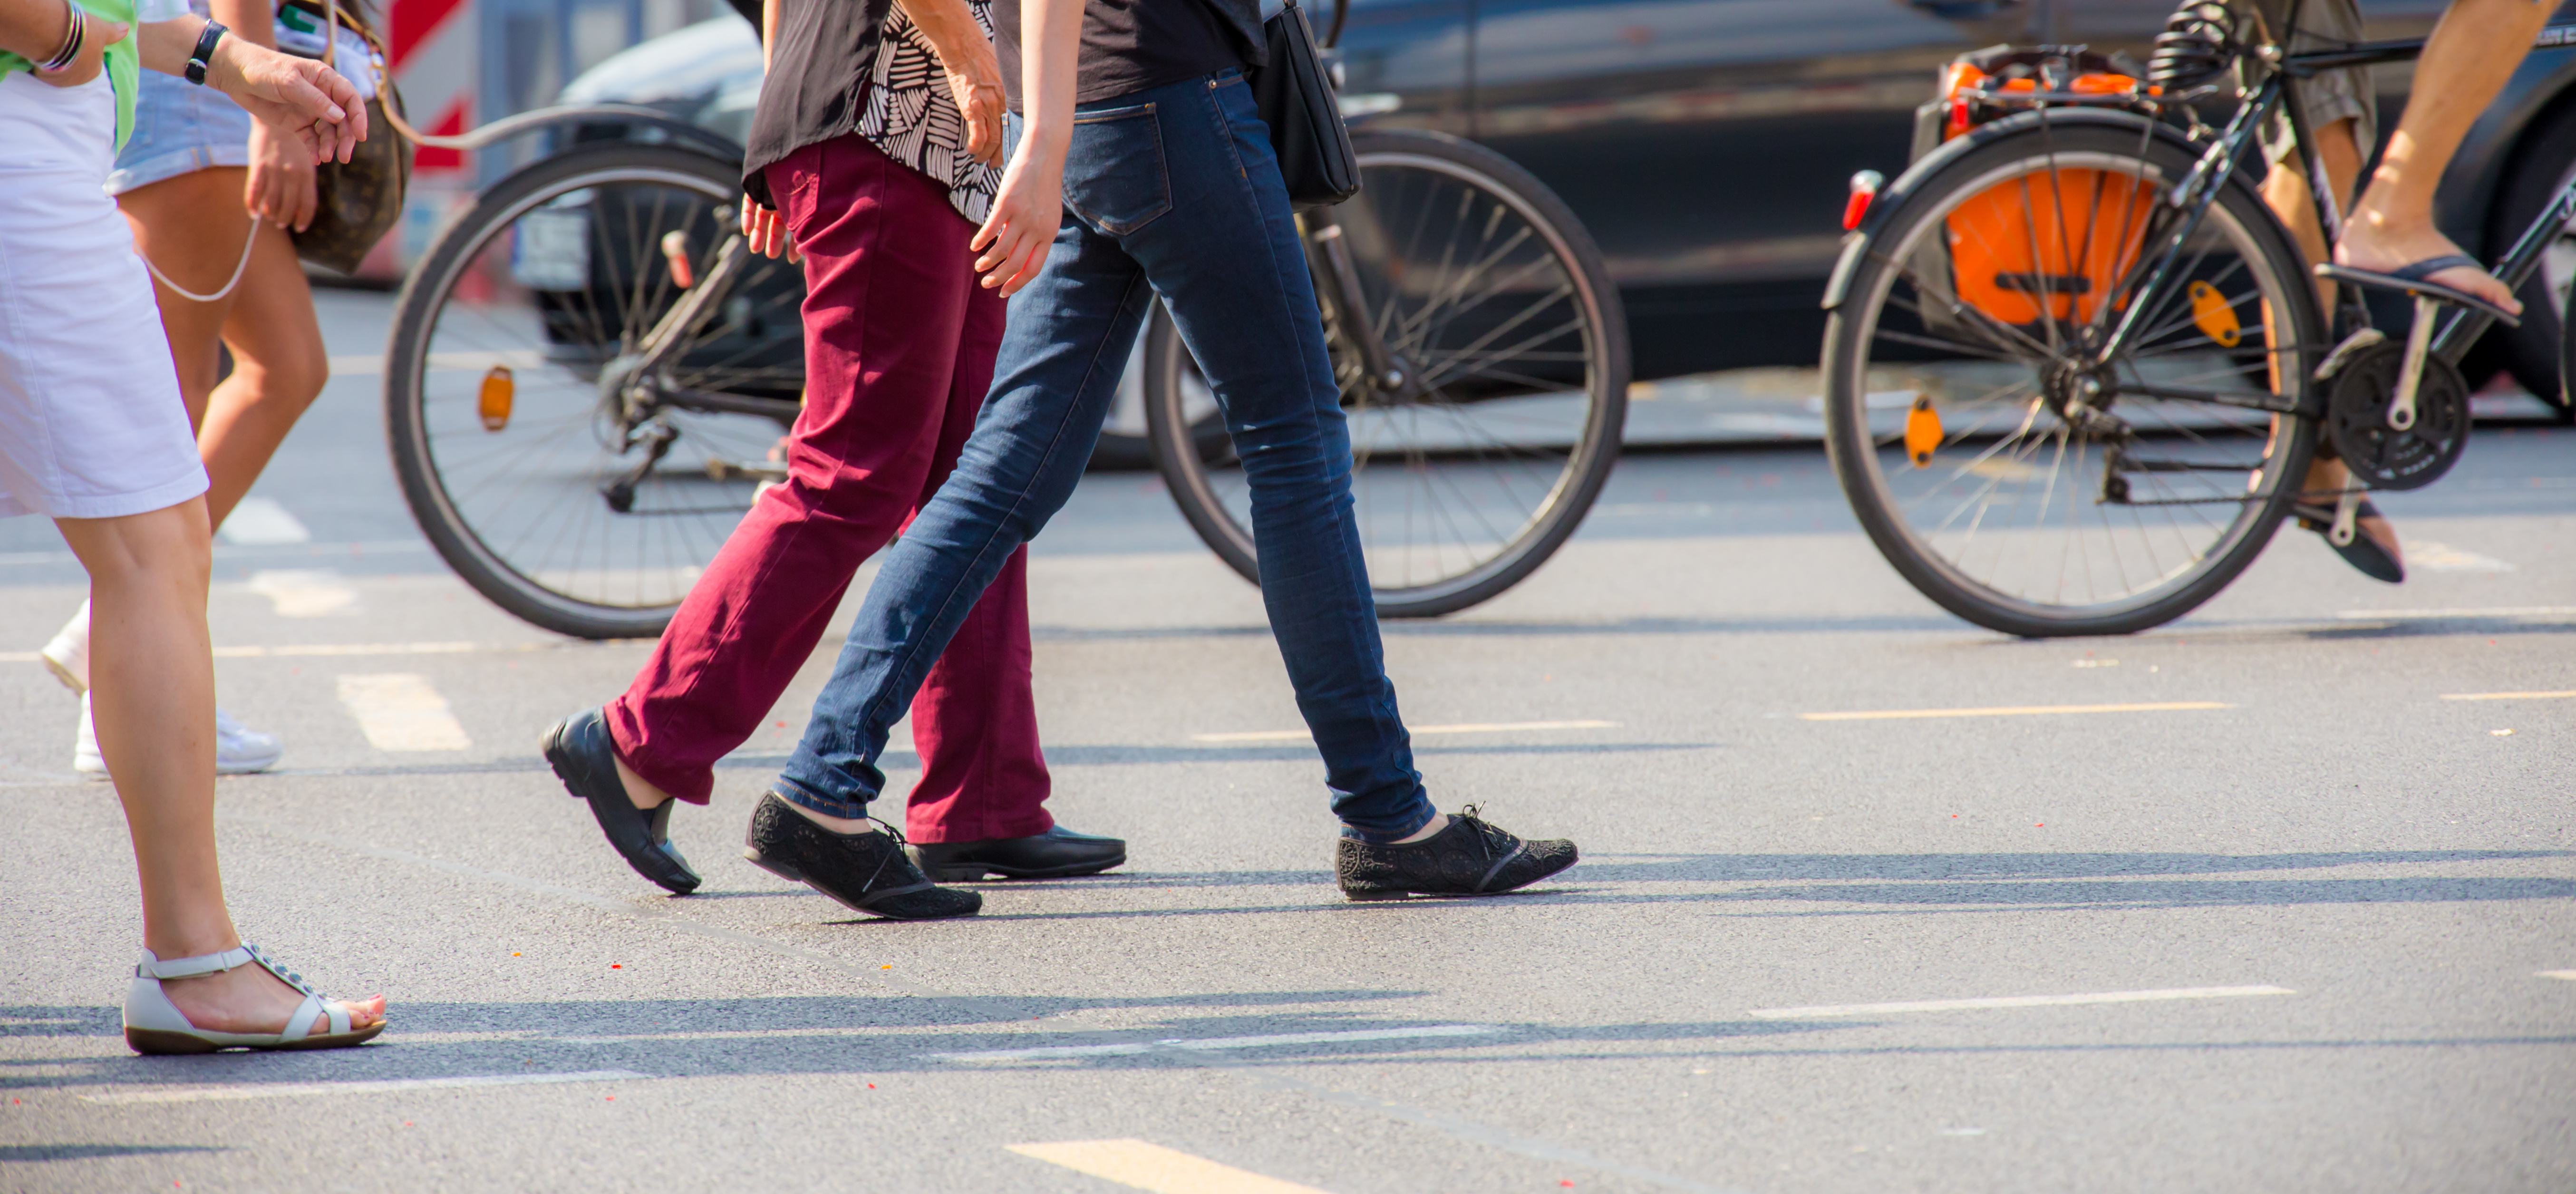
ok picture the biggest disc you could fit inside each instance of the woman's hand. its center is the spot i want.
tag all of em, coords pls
(281, 189)
(95, 40)
(296, 97)
(766, 232)
(1026, 215)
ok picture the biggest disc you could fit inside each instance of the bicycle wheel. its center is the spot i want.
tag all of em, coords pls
(1494, 305)
(2043, 493)
(545, 467)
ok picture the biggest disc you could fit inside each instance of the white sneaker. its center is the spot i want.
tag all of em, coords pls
(239, 750)
(67, 656)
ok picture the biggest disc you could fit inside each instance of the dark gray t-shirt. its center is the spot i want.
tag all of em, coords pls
(1133, 45)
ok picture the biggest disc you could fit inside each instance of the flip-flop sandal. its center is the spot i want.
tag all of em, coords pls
(2363, 553)
(2415, 280)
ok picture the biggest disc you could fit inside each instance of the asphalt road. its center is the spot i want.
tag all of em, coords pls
(2321, 937)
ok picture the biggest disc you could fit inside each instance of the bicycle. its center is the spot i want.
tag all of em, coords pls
(588, 374)
(2139, 368)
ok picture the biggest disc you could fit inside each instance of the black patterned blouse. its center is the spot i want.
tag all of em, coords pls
(911, 117)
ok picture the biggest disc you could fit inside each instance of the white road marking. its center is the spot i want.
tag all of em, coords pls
(2500, 611)
(1963, 1131)
(305, 593)
(1486, 727)
(2014, 711)
(1131, 1048)
(2442, 557)
(309, 650)
(299, 1090)
(1948, 1005)
(259, 521)
(2569, 975)
(399, 711)
(1143, 1166)
(2509, 696)
(477, 362)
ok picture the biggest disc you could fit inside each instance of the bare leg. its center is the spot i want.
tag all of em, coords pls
(2285, 190)
(279, 366)
(2465, 63)
(175, 226)
(153, 698)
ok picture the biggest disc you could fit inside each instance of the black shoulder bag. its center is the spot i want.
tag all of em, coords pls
(1296, 98)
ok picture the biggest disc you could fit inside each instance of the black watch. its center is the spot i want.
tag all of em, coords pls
(205, 52)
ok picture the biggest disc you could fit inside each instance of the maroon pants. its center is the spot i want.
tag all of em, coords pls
(899, 344)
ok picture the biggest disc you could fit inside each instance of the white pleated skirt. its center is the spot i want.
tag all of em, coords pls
(91, 422)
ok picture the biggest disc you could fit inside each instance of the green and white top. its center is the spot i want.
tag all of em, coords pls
(124, 67)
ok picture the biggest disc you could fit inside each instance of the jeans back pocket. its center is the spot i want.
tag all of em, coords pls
(1113, 169)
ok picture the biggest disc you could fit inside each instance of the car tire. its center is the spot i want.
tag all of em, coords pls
(2542, 166)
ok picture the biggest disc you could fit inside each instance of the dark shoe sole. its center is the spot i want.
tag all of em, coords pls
(970, 872)
(155, 1042)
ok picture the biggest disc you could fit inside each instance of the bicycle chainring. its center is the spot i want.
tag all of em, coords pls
(2382, 457)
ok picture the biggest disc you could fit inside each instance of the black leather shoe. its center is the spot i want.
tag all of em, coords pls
(1469, 858)
(866, 871)
(1058, 853)
(579, 750)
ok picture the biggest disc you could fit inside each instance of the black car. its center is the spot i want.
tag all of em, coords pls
(1707, 144)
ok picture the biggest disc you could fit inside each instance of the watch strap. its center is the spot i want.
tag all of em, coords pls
(205, 52)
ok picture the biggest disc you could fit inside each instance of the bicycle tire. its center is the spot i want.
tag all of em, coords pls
(1186, 442)
(420, 303)
(1899, 231)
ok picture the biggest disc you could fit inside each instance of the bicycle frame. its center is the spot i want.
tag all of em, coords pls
(2460, 328)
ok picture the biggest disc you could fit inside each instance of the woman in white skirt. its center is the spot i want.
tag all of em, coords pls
(212, 195)
(93, 434)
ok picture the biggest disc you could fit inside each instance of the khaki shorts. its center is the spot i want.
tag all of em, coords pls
(2330, 96)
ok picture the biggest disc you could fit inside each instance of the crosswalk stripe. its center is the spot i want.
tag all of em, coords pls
(2014, 711)
(297, 1090)
(262, 522)
(1948, 1005)
(2509, 696)
(305, 593)
(399, 711)
(1144, 1166)
(1478, 727)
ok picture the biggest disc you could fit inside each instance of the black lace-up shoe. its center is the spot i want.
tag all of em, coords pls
(1059, 853)
(867, 871)
(578, 749)
(1468, 858)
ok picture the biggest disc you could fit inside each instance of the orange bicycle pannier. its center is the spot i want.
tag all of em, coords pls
(2043, 245)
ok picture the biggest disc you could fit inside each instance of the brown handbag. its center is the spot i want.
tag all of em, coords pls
(358, 201)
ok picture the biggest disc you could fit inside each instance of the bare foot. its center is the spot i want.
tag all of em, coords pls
(2325, 485)
(250, 999)
(2385, 246)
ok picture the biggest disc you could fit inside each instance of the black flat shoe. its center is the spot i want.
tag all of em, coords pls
(1469, 858)
(2364, 553)
(1059, 853)
(866, 871)
(579, 750)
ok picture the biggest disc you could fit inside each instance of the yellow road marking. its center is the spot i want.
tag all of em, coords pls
(2569, 975)
(401, 712)
(2508, 696)
(1482, 727)
(1153, 1167)
(2015, 711)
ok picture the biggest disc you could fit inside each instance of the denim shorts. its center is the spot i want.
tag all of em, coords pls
(179, 128)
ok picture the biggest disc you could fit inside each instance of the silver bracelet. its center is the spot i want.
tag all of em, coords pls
(64, 57)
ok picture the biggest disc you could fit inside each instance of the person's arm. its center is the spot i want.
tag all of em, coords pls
(280, 189)
(1031, 205)
(297, 95)
(974, 74)
(36, 29)
(761, 227)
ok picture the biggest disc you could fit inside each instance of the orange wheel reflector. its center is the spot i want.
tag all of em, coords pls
(494, 402)
(2215, 316)
(675, 252)
(1922, 431)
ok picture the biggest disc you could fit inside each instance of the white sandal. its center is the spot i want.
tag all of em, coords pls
(153, 1024)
